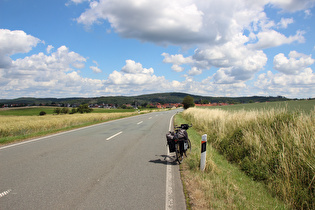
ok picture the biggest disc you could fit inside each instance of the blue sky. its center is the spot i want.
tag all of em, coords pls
(91, 48)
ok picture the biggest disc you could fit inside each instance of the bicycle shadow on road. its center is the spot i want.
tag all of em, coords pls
(166, 160)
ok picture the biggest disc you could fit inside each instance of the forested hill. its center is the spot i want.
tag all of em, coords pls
(162, 98)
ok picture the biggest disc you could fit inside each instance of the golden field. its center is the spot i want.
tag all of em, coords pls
(275, 147)
(11, 126)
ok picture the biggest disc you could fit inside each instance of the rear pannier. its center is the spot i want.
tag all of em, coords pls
(170, 141)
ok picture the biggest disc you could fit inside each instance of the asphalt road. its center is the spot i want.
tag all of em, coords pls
(123, 164)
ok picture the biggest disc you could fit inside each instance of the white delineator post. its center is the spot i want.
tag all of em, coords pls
(203, 152)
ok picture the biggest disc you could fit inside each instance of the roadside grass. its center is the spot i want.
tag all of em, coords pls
(274, 147)
(16, 128)
(222, 185)
(17, 138)
(19, 124)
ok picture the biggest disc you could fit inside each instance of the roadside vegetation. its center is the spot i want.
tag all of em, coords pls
(305, 106)
(271, 149)
(13, 128)
(25, 123)
(35, 111)
(222, 185)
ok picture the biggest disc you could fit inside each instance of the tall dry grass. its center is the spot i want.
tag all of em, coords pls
(24, 125)
(274, 146)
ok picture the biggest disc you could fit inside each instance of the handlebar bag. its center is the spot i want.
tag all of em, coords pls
(182, 134)
(184, 126)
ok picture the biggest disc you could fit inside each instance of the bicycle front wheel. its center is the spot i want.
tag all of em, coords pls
(179, 156)
(188, 150)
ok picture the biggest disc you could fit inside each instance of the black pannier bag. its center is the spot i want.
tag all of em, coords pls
(171, 141)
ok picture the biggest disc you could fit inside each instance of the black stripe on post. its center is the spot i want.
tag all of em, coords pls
(203, 146)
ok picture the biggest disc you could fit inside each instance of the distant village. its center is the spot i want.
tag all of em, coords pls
(116, 106)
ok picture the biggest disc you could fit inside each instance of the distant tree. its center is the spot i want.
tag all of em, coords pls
(188, 102)
(205, 101)
(57, 111)
(73, 111)
(84, 108)
(149, 106)
(42, 113)
(65, 110)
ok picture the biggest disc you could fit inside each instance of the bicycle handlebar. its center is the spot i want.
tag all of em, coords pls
(184, 126)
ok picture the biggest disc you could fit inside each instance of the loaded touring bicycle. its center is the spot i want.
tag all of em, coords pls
(179, 142)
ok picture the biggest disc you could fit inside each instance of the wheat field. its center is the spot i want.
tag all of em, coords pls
(24, 125)
(273, 146)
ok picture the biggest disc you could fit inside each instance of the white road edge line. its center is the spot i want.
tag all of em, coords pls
(109, 138)
(169, 201)
(139, 122)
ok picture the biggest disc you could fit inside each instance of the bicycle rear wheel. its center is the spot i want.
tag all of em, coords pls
(179, 157)
(188, 150)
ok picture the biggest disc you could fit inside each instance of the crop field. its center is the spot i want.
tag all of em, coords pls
(26, 123)
(221, 185)
(25, 111)
(23, 123)
(273, 145)
(34, 111)
(291, 106)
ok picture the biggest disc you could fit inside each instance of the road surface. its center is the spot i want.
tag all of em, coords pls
(122, 164)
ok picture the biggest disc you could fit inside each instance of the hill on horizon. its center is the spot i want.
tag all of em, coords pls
(172, 97)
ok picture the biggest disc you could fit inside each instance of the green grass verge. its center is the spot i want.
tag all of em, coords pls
(222, 185)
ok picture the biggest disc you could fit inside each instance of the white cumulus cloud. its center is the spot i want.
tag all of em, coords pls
(49, 48)
(272, 38)
(293, 5)
(296, 63)
(12, 42)
(134, 74)
(175, 22)
(300, 85)
(284, 22)
(41, 75)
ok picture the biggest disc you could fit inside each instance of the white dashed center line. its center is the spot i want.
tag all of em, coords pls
(113, 136)
(139, 122)
(5, 193)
